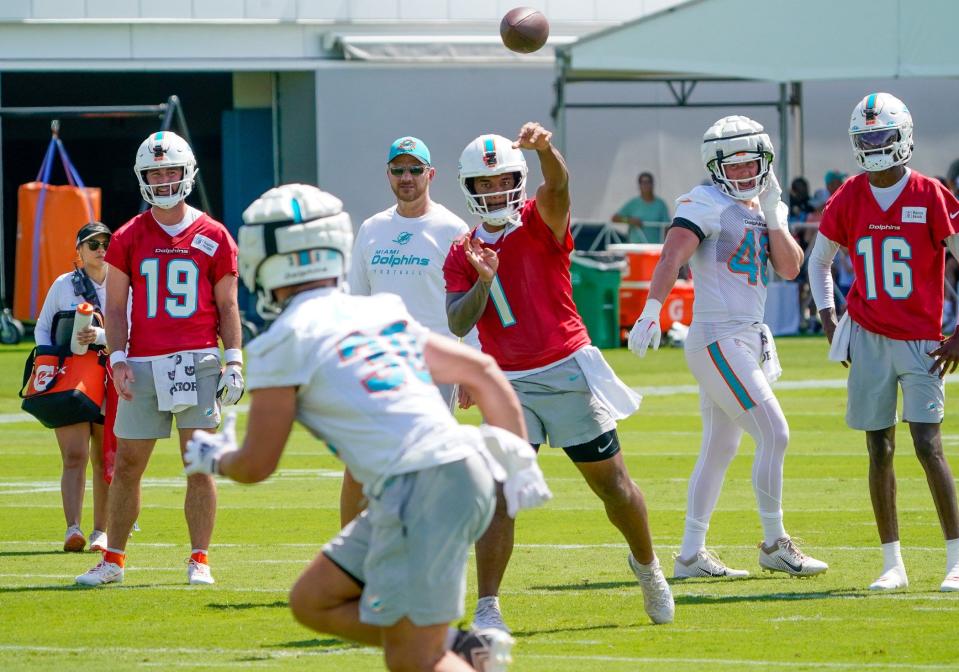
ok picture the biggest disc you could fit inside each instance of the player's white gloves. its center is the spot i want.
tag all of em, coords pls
(646, 331)
(230, 388)
(204, 450)
(775, 212)
(523, 485)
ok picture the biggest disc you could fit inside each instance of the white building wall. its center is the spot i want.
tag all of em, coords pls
(327, 10)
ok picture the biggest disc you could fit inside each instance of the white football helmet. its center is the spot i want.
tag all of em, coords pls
(165, 149)
(488, 156)
(732, 140)
(881, 132)
(292, 234)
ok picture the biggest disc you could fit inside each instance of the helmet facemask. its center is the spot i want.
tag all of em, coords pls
(165, 150)
(491, 156)
(735, 140)
(497, 208)
(881, 132)
(743, 188)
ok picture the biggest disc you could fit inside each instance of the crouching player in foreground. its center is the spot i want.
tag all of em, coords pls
(356, 371)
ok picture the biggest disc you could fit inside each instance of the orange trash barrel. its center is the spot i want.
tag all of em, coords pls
(641, 260)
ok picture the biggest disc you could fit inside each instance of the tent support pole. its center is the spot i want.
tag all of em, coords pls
(559, 109)
(784, 110)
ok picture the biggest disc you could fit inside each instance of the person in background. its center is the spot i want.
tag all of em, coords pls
(510, 278)
(833, 180)
(401, 250)
(177, 265)
(642, 209)
(897, 224)
(730, 234)
(83, 441)
(800, 202)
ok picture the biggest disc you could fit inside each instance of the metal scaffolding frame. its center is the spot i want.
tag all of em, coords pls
(169, 112)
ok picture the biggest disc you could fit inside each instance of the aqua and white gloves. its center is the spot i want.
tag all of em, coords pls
(204, 450)
(524, 486)
(646, 331)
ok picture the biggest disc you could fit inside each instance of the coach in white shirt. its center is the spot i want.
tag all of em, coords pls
(401, 250)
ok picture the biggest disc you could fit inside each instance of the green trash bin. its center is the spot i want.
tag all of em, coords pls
(596, 277)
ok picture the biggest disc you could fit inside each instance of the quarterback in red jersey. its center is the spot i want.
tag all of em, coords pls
(510, 278)
(896, 224)
(178, 266)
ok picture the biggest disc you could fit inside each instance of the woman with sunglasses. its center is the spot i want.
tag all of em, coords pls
(82, 441)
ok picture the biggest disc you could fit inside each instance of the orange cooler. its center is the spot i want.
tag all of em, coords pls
(641, 260)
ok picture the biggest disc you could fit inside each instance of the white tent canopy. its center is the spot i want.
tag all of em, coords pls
(778, 41)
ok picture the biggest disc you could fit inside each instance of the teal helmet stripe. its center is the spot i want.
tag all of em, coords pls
(304, 258)
(871, 101)
(159, 136)
(488, 145)
(297, 214)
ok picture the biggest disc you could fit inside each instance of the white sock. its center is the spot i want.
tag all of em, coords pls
(773, 529)
(492, 600)
(891, 556)
(645, 569)
(199, 550)
(952, 553)
(451, 634)
(694, 539)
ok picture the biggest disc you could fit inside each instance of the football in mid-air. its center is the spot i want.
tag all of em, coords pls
(524, 30)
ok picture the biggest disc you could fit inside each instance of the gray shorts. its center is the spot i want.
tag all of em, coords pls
(409, 548)
(879, 365)
(140, 418)
(559, 407)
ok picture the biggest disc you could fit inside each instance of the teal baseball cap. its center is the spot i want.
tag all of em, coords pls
(412, 146)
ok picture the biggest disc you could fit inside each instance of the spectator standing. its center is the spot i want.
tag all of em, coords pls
(647, 208)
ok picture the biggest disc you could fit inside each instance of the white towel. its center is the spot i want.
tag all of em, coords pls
(619, 400)
(839, 350)
(174, 378)
(770, 365)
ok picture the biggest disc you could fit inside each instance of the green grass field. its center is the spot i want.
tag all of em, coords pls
(568, 594)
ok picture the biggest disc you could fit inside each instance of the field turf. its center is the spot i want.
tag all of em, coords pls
(568, 595)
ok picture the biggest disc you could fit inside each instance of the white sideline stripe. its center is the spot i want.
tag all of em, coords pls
(550, 507)
(655, 391)
(297, 653)
(834, 665)
(179, 651)
(821, 384)
(555, 547)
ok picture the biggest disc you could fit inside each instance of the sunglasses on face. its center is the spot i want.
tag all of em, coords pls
(94, 245)
(415, 171)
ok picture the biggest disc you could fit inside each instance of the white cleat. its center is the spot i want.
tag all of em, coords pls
(951, 583)
(73, 540)
(488, 615)
(198, 573)
(104, 572)
(892, 579)
(485, 650)
(657, 597)
(98, 542)
(705, 564)
(786, 557)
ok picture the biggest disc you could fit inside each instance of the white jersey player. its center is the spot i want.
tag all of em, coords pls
(728, 232)
(358, 373)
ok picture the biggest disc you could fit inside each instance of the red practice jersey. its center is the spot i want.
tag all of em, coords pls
(898, 256)
(172, 279)
(530, 319)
